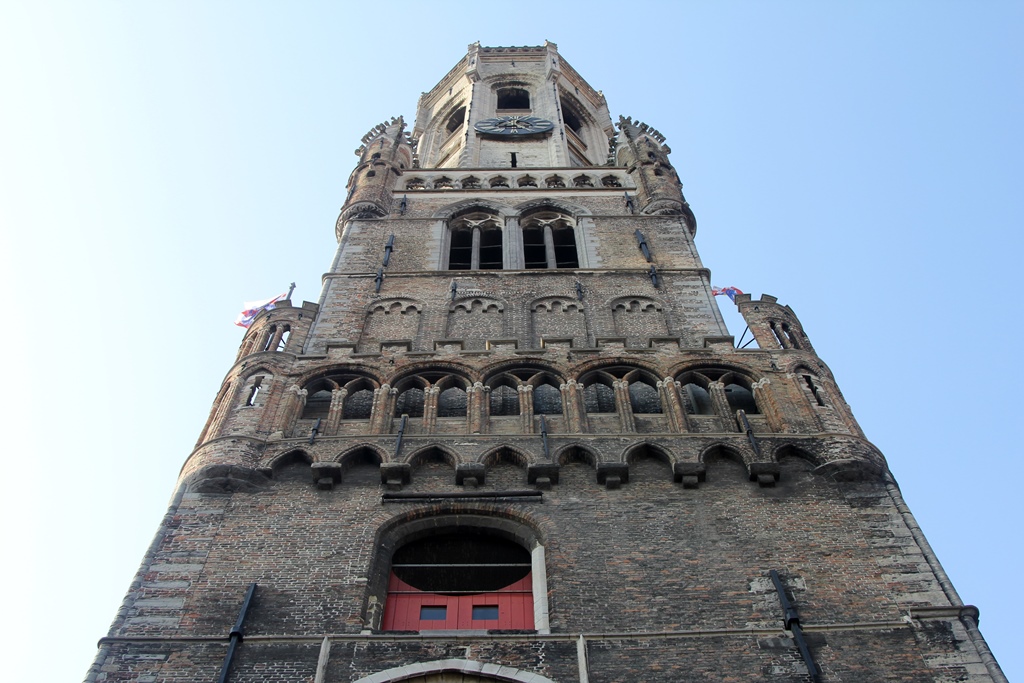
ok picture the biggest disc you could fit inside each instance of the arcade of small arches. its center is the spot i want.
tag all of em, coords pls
(506, 181)
(618, 391)
(369, 464)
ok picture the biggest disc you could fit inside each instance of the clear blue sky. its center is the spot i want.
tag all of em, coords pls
(162, 162)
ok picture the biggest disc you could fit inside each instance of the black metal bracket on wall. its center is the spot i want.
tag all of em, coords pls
(236, 634)
(791, 620)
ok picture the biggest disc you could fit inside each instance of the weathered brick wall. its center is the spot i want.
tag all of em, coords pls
(649, 557)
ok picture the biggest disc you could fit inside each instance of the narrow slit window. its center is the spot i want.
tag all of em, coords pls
(254, 392)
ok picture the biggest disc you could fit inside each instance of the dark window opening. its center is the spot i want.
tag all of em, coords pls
(460, 255)
(317, 405)
(410, 402)
(571, 120)
(452, 403)
(741, 398)
(513, 98)
(534, 253)
(490, 249)
(547, 400)
(644, 398)
(513, 159)
(358, 405)
(370, 174)
(451, 580)
(504, 401)
(698, 400)
(459, 565)
(254, 392)
(598, 398)
(455, 121)
(376, 155)
(814, 390)
(565, 248)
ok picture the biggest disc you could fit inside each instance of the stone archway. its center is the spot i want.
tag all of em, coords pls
(453, 671)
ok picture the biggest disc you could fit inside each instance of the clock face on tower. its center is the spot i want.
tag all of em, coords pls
(517, 126)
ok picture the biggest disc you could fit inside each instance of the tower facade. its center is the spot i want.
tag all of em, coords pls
(514, 441)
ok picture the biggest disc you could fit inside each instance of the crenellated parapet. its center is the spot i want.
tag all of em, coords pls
(387, 151)
(642, 150)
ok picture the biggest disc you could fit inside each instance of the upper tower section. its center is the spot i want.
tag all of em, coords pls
(512, 107)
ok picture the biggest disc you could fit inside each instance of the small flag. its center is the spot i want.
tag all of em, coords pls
(253, 308)
(730, 292)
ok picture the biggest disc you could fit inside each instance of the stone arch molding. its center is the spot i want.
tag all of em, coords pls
(465, 669)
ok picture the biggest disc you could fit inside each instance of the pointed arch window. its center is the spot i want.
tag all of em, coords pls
(549, 240)
(475, 242)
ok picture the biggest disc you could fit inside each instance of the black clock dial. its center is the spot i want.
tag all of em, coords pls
(514, 126)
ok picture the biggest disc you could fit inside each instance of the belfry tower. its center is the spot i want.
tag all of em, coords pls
(514, 441)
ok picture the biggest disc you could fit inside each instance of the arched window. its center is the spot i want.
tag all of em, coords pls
(644, 398)
(504, 401)
(475, 242)
(452, 403)
(741, 398)
(455, 121)
(697, 400)
(547, 400)
(460, 580)
(549, 240)
(286, 333)
(318, 404)
(513, 98)
(598, 398)
(358, 405)
(410, 402)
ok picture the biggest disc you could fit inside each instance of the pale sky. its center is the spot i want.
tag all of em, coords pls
(162, 162)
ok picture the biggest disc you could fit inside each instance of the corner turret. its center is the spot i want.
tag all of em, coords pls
(773, 326)
(386, 152)
(642, 150)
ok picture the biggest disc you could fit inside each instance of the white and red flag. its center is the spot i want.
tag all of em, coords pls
(730, 292)
(253, 308)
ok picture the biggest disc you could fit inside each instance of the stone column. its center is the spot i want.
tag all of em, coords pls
(336, 411)
(780, 336)
(720, 403)
(380, 414)
(512, 245)
(476, 418)
(549, 247)
(526, 408)
(474, 259)
(572, 405)
(766, 403)
(672, 404)
(430, 395)
(275, 340)
(622, 405)
(293, 403)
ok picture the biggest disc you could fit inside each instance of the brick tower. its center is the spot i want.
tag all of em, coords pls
(514, 441)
